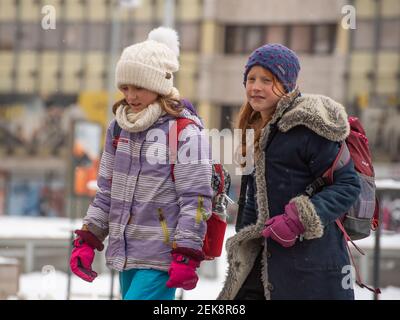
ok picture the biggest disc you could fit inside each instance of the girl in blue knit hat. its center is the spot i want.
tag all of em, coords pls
(287, 244)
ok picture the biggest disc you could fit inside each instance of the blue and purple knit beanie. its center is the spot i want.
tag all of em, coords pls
(279, 60)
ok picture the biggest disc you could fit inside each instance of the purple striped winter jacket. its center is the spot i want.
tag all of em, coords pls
(139, 206)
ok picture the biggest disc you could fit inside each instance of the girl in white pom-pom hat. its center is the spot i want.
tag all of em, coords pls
(153, 213)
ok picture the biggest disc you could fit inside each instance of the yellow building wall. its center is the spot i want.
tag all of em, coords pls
(342, 41)
(361, 64)
(74, 10)
(26, 64)
(7, 10)
(388, 67)
(48, 79)
(95, 65)
(97, 11)
(391, 8)
(365, 8)
(210, 113)
(144, 12)
(159, 10)
(189, 10)
(186, 78)
(6, 64)
(31, 11)
(71, 65)
(208, 37)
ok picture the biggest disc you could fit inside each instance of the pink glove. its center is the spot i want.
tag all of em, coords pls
(83, 254)
(284, 228)
(182, 272)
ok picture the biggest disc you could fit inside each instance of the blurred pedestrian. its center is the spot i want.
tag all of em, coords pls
(155, 224)
(288, 245)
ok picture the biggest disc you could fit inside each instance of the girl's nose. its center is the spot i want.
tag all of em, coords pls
(131, 96)
(256, 87)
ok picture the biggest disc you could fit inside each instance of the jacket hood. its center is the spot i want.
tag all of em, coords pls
(319, 113)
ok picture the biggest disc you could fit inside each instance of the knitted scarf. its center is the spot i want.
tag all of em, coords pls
(137, 122)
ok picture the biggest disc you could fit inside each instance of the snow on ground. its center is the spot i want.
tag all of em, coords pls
(51, 284)
(37, 227)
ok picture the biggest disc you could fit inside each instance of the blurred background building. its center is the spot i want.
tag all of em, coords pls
(49, 77)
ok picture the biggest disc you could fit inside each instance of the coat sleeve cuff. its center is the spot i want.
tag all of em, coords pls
(192, 253)
(101, 234)
(309, 218)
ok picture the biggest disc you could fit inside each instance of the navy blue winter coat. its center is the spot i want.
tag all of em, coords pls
(303, 148)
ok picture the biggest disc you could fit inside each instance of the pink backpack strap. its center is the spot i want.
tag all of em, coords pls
(173, 139)
(375, 218)
(358, 276)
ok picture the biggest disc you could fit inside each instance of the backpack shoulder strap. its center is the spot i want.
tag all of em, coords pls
(116, 133)
(342, 159)
(173, 138)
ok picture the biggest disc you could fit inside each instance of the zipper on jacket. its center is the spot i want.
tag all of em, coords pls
(164, 226)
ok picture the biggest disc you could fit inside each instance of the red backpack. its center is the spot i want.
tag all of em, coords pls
(363, 216)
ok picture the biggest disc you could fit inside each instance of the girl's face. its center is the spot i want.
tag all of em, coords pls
(262, 94)
(138, 98)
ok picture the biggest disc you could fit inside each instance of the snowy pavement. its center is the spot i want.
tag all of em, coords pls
(53, 285)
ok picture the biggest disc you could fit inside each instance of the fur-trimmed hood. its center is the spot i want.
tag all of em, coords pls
(319, 113)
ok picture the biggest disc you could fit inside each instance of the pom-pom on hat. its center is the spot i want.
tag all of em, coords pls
(279, 60)
(150, 64)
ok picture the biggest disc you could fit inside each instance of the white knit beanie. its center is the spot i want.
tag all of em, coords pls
(150, 64)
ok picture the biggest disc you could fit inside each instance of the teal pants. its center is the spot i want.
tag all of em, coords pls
(145, 284)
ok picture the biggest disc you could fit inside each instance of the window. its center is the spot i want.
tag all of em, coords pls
(300, 38)
(233, 39)
(276, 34)
(8, 36)
(243, 39)
(189, 36)
(97, 36)
(74, 36)
(29, 36)
(227, 121)
(127, 35)
(141, 31)
(324, 38)
(51, 39)
(364, 35)
(390, 34)
(319, 39)
(253, 38)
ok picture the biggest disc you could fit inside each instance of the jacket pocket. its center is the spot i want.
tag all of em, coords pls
(318, 254)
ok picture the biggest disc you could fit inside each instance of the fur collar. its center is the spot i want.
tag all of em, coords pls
(320, 114)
